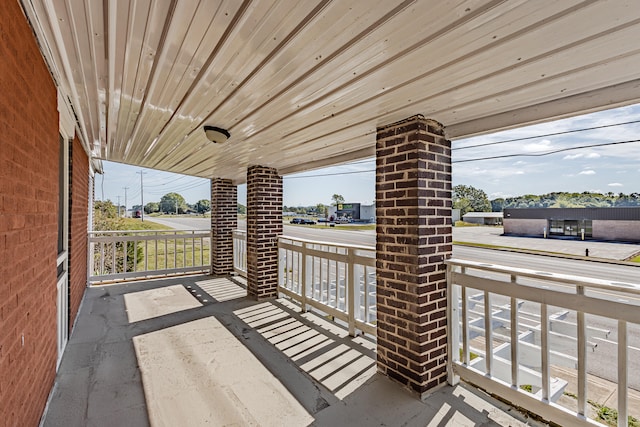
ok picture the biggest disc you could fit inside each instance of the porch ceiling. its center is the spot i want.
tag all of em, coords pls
(305, 84)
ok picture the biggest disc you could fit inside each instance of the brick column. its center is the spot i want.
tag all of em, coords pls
(413, 211)
(224, 219)
(264, 225)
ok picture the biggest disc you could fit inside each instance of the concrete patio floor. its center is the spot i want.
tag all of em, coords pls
(195, 351)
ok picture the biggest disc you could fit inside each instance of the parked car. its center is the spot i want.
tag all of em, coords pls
(302, 221)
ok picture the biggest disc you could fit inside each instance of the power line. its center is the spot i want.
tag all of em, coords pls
(330, 174)
(169, 182)
(546, 153)
(544, 135)
(188, 186)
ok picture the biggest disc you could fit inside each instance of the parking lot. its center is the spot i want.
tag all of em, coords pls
(493, 236)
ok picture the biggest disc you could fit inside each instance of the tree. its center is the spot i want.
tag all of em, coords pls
(337, 199)
(105, 208)
(497, 205)
(470, 199)
(321, 210)
(106, 218)
(172, 203)
(151, 207)
(242, 209)
(203, 206)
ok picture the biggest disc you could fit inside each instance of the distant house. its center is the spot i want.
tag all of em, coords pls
(484, 218)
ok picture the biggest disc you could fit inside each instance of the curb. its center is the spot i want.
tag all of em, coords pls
(554, 255)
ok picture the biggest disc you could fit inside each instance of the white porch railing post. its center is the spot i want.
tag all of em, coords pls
(453, 323)
(514, 336)
(623, 399)
(488, 334)
(465, 323)
(582, 359)
(544, 344)
(305, 279)
(351, 292)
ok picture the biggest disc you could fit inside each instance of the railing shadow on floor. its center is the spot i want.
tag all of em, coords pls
(138, 346)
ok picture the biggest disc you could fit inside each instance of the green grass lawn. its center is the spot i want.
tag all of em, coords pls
(174, 254)
(352, 227)
(136, 224)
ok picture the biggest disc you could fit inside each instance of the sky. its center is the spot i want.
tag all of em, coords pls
(524, 169)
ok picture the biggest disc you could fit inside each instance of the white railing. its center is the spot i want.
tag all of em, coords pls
(547, 323)
(336, 279)
(240, 252)
(137, 254)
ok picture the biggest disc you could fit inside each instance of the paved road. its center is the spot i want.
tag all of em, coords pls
(594, 269)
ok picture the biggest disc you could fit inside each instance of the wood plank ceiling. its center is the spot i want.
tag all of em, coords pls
(302, 84)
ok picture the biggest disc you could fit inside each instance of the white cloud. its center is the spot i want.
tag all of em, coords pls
(587, 172)
(615, 184)
(535, 147)
(499, 194)
(582, 156)
(519, 163)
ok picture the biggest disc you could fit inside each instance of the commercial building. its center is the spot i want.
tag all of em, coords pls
(483, 218)
(354, 211)
(619, 224)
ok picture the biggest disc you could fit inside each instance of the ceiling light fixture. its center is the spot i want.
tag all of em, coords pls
(216, 135)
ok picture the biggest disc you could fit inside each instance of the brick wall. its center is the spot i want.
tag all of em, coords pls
(224, 219)
(525, 227)
(264, 225)
(413, 214)
(29, 153)
(78, 225)
(625, 231)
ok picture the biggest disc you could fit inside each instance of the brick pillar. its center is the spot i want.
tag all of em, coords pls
(413, 211)
(224, 219)
(264, 225)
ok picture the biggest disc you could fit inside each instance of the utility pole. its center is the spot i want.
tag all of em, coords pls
(125, 200)
(141, 195)
(119, 214)
(176, 206)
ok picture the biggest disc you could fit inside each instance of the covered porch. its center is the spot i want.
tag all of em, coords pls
(158, 353)
(246, 92)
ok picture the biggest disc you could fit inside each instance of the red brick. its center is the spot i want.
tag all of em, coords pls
(29, 146)
(224, 219)
(264, 225)
(78, 223)
(413, 240)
